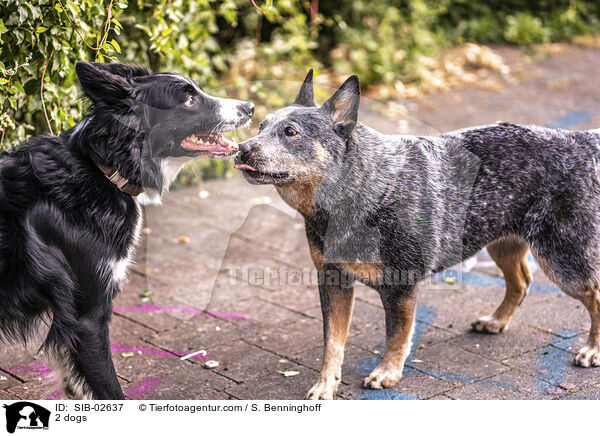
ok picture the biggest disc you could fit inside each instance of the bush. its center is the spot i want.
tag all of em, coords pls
(236, 42)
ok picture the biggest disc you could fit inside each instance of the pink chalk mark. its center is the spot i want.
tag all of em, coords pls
(56, 395)
(142, 388)
(41, 369)
(154, 308)
(126, 349)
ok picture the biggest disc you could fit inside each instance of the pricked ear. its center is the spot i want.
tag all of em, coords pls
(306, 95)
(343, 107)
(101, 85)
(124, 70)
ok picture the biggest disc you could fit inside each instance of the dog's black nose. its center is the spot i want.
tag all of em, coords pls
(247, 109)
(245, 147)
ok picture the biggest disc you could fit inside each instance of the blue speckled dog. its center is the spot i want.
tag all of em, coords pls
(390, 210)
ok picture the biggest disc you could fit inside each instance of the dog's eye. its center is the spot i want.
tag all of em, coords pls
(190, 101)
(289, 131)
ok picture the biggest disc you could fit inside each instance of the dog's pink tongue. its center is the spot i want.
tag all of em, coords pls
(244, 167)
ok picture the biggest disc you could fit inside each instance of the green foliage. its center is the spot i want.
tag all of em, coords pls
(384, 41)
(237, 42)
(37, 41)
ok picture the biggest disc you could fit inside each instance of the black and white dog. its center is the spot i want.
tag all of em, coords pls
(69, 221)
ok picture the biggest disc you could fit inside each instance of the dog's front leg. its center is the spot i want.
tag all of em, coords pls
(337, 299)
(85, 368)
(399, 305)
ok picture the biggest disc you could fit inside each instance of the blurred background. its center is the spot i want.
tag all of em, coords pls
(400, 49)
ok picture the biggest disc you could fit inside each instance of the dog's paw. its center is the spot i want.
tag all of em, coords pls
(588, 356)
(383, 377)
(489, 324)
(324, 389)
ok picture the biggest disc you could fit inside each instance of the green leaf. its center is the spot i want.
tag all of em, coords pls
(3, 81)
(22, 14)
(58, 8)
(3, 28)
(117, 23)
(116, 45)
(41, 29)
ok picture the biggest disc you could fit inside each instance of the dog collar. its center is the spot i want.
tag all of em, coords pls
(122, 183)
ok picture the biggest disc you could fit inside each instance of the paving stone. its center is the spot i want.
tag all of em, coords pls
(7, 396)
(300, 298)
(518, 339)
(291, 340)
(275, 386)
(591, 392)
(572, 344)
(561, 315)
(510, 385)
(441, 397)
(177, 382)
(198, 333)
(474, 301)
(450, 362)
(260, 313)
(159, 313)
(555, 366)
(241, 361)
(41, 390)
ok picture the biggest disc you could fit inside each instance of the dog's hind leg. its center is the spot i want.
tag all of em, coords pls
(399, 305)
(336, 304)
(589, 355)
(510, 254)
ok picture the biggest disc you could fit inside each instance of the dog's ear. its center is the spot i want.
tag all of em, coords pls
(343, 107)
(128, 71)
(306, 95)
(101, 85)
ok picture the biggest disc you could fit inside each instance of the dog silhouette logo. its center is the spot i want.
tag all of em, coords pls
(26, 415)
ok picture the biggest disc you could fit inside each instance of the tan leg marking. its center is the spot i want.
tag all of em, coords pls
(366, 272)
(336, 304)
(317, 257)
(336, 319)
(589, 355)
(510, 254)
(400, 326)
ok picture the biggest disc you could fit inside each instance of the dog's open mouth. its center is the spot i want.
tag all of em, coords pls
(213, 143)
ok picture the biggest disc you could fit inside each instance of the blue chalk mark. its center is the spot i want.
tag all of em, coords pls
(570, 120)
(425, 315)
(470, 278)
(384, 394)
(553, 362)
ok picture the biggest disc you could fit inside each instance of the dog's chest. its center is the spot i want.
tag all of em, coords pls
(120, 266)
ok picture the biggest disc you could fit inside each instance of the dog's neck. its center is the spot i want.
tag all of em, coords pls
(121, 182)
(132, 176)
